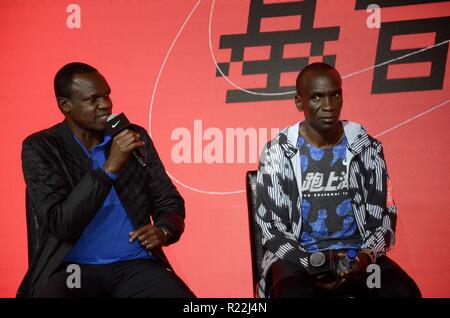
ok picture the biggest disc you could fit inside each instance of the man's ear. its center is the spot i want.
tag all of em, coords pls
(298, 102)
(64, 104)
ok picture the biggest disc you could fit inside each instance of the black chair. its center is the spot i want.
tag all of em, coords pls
(257, 250)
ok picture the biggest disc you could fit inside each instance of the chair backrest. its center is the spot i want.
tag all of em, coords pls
(257, 250)
(33, 229)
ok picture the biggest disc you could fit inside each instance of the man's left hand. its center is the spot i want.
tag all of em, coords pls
(150, 236)
(358, 270)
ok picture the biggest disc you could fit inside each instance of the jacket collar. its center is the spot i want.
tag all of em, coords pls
(69, 141)
(356, 135)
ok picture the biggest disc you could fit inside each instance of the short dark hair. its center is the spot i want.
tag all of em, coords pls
(63, 78)
(318, 66)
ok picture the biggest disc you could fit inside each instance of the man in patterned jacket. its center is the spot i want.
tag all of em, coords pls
(325, 204)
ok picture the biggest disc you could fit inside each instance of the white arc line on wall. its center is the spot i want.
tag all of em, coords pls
(153, 100)
(412, 118)
(164, 64)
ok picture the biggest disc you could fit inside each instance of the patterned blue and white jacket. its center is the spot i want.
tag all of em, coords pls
(279, 196)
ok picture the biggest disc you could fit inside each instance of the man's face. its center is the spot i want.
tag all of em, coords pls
(89, 104)
(320, 98)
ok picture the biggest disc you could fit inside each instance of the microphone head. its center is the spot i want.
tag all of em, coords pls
(116, 123)
(111, 117)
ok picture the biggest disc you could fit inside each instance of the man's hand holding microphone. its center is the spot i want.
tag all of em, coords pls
(126, 142)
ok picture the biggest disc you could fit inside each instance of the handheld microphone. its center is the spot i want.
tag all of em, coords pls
(115, 124)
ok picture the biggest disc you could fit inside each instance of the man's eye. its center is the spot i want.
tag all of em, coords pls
(315, 98)
(337, 95)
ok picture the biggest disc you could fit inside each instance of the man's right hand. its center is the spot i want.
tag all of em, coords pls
(122, 146)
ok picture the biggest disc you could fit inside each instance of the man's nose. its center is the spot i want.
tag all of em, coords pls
(327, 104)
(330, 104)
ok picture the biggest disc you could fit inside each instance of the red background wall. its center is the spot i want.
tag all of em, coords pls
(157, 58)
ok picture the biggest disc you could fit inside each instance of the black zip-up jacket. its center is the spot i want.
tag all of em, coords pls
(65, 193)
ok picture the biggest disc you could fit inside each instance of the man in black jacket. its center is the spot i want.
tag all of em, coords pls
(102, 218)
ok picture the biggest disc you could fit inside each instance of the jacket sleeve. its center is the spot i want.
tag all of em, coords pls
(64, 211)
(273, 205)
(381, 211)
(167, 205)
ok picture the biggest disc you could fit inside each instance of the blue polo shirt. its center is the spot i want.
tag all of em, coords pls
(105, 239)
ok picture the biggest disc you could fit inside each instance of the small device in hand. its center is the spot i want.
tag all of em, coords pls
(320, 262)
(346, 262)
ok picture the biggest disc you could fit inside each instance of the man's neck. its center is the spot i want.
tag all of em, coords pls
(89, 139)
(321, 138)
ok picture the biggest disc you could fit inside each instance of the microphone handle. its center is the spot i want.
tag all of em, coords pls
(139, 159)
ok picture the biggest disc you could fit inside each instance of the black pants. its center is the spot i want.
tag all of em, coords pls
(289, 281)
(141, 278)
